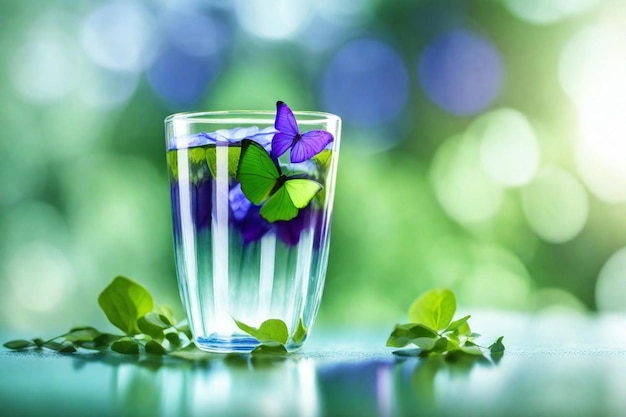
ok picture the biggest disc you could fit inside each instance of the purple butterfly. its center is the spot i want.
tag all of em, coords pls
(303, 146)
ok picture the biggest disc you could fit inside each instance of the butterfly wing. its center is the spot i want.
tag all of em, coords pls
(310, 144)
(257, 172)
(287, 128)
(280, 143)
(285, 120)
(301, 191)
(279, 206)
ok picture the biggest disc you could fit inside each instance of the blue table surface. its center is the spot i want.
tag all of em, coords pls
(554, 365)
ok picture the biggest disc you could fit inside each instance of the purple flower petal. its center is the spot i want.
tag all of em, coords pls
(289, 231)
(253, 227)
(239, 203)
(201, 200)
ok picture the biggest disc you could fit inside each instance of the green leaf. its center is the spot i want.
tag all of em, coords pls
(234, 152)
(126, 345)
(155, 348)
(403, 334)
(184, 328)
(497, 347)
(173, 338)
(272, 330)
(166, 314)
(434, 309)
(153, 324)
(471, 349)
(104, 340)
(124, 302)
(269, 348)
(65, 347)
(322, 159)
(300, 333)
(19, 344)
(172, 163)
(39, 342)
(459, 325)
(82, 335)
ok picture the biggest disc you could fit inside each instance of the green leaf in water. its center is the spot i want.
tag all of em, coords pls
(233, 152)
(272, 330)
(269, 348)
(300, 333)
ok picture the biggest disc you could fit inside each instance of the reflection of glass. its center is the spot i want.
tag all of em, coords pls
(233, 259)
(220, 388)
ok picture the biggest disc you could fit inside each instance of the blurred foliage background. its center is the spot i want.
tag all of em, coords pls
(484, 145)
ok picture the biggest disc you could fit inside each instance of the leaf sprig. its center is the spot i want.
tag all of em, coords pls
(273, 335)
(147, 326)
(434, 332)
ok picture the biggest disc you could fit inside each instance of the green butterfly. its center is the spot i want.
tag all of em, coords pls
(263, 182)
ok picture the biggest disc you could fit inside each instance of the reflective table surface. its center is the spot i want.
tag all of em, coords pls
(554, 365)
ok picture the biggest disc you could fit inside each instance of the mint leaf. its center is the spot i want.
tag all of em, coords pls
(64, 347)
(434, 309)
(434, 332)
(153, 324)
(272, 330)
(403, 334)
(126, 345)
(269, 348)
(234, 152)
(155, 348)
(19, 344)
(459, 326)
(497, 348)
(124, 302)
(300, 333)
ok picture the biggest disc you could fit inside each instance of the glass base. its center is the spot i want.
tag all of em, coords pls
(217, 344)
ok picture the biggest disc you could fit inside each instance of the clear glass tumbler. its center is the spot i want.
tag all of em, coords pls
(252, 198)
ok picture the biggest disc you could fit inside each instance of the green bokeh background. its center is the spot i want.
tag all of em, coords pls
(419, 201)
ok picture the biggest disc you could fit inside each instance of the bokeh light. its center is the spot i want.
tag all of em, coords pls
(556, 205)
(179, 78)
(543, 12)
(611, 284)
(465, 192)
(461, 71)
(502, 273)
(43, 66)
(592, 71)
(366, 82)
(273, 19)
(509, 149)
(40, 274)
(120, 36)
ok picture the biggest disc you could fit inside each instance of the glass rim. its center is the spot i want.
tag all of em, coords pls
(248, 116)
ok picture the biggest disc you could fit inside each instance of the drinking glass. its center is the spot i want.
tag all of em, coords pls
(246, 253)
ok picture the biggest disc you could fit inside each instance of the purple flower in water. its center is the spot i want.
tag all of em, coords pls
(303, 146)
(253, 226)
(201, 200)
(239, 204)
(289, 232)
(225, 137)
